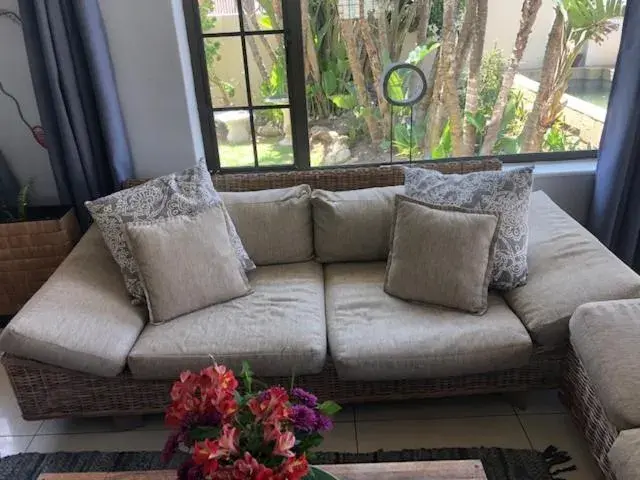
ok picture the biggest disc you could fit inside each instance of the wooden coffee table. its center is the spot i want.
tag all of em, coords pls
(440, 470)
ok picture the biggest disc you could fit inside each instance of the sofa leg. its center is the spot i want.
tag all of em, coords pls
(127, 422)
(518, 400)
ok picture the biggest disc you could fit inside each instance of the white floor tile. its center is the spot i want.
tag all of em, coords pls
(11, 421)
(559, 430)
(106, 442)
(542, 401)
(499, 431)
(13, 445)
(96, 425)
(460, 407)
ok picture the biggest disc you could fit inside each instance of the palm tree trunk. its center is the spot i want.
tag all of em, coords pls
(534, 129)
(450, 90)
(475, 63)
(465, 38)
(376, 67)
(312, 66)
(424, 9)
(530, 10)
(348, 29)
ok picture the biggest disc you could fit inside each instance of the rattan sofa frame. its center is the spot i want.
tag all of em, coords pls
(45, 391)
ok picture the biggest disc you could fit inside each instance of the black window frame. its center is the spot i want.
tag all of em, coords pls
(296, 83)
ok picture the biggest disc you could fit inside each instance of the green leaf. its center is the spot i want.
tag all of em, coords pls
(247, 375)
(345, 101)
(418, 54)
(445, 146)
(329, 82)
(478, 120)
(329, 407)
(395, 87)
(201, 433)
(265, 22)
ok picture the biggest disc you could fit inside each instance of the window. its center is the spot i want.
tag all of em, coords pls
(285, 83)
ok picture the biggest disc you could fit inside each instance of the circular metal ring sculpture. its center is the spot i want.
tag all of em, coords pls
(405, 102)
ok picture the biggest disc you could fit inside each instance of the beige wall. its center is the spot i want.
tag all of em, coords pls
(503, 23)
(230, 67)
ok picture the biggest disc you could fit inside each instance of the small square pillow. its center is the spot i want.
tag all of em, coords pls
(184, 193)
(441, 255)
(505, 193)
(185, 263)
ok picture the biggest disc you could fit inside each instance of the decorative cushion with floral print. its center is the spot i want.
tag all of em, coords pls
(506, 193)
(185, 193)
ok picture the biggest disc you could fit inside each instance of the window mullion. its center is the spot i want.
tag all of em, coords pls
(292, 22)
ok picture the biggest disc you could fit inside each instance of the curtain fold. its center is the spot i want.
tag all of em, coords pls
(615, 208)
(75, 89)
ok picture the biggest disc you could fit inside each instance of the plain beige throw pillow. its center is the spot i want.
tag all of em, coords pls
(441, 255)
(186, 263)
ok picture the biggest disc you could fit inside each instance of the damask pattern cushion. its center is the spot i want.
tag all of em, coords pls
(505, 193)
(184, 193)
(185, 263)
(441, 256)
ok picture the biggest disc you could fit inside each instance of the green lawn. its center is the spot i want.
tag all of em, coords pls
(270, 153)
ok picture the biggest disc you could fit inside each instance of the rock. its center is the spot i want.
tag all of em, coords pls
(269, 131)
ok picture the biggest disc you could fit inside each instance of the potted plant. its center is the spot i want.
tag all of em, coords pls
(33, 242)
(253, 435)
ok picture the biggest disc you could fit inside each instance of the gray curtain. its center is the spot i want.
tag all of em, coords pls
(76, 93)
(615, 208)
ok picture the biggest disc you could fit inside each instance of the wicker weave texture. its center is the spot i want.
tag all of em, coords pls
(338, 178)
(587, 412)
(29, 253)
(44, 391)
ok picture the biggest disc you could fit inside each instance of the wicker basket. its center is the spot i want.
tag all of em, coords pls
(31, 251)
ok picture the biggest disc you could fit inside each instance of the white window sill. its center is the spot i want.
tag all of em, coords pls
(558, 168)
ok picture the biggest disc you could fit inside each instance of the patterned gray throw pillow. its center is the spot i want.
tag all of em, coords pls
(501, 192)
(184, 193)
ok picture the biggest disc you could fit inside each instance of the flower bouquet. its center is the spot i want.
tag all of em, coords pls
(249, 435)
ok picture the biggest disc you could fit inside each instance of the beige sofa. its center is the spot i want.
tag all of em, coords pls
(80, 348)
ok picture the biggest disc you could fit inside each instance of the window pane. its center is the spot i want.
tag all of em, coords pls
(233, 134)
(226, 71)
(267, 69)
(219, 16)
(273, 127)
(262, 15)
(349, 44)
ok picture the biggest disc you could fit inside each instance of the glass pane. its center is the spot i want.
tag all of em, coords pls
(219, 16)
(262, 15)
(273, 127)
(349, 44)
(226, 71)
(233, 132)
(267, 69)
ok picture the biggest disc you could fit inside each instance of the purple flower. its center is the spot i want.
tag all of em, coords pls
(303, 418)
(304, 397)
(323, 423)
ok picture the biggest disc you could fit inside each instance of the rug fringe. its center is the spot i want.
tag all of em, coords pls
(555, 457)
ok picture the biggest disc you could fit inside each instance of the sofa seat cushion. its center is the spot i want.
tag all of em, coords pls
(280, 329)
(606, 339)
(374, 336)
(567, 267)
(82, 318)
(625, 455)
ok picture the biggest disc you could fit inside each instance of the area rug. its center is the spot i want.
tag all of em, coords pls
(499, 463)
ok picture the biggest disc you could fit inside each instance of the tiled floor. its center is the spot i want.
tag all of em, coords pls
(477, 421)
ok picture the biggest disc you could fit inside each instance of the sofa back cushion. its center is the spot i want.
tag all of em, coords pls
(274, 225)
(353, 225)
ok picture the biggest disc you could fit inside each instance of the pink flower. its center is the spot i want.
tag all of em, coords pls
(228, 442)
(284, 444)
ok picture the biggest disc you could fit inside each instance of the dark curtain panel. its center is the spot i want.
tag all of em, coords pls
(76, 93)
(615, 209)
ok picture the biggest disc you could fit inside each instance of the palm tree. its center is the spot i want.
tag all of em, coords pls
(576, 22)
(530, 10)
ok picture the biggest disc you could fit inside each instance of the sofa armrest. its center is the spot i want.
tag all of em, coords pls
(82, 318)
